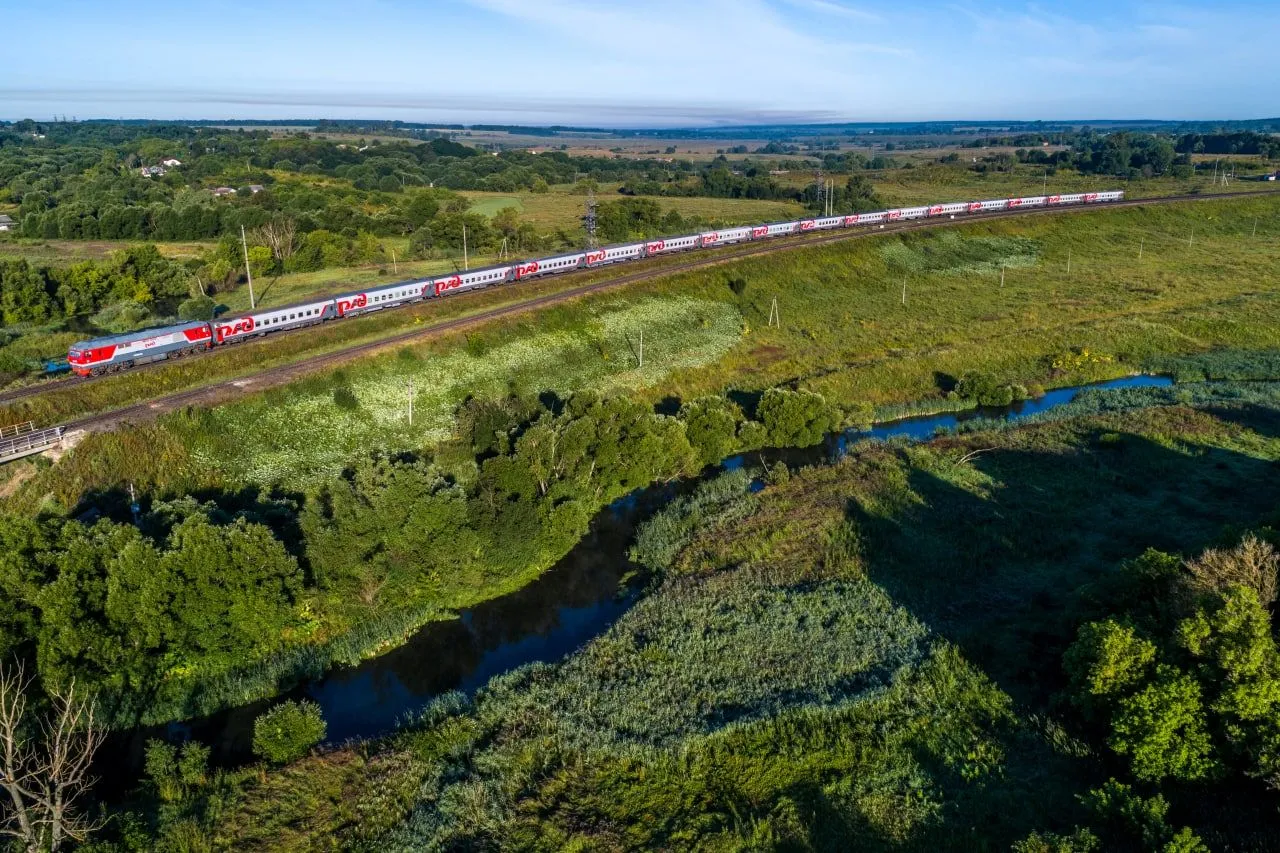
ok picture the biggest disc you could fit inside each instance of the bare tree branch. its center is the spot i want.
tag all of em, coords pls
(278, 235)
(44, 780)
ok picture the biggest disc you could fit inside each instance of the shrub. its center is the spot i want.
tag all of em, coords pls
(286, 732)
(986, 390)
(197, 308)
(121, 317)
(796, 418)
(345, 398)
(711, 423)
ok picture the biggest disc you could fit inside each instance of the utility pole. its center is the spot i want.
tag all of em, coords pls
(411, 393)
(1141, 242)
(394, 269)
(1255, 226)
(244, 244)
(464, 248)
(1002, 276)
(775, 317)
(904, 290)
(589, 220)
(642, 349)
(1044, 189)
(1068, 262)
(1192, 239)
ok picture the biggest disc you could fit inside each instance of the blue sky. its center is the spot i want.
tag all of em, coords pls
(664, 62)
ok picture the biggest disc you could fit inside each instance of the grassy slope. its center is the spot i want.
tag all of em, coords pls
(950, 581)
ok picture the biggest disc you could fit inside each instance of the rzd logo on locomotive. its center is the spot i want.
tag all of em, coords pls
(595, 257)
(243, 326)
(444, 284)
(352, 304)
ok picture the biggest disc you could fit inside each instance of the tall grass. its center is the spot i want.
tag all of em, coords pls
(662, 536)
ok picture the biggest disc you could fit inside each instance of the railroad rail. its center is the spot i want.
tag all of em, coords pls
(215, 392)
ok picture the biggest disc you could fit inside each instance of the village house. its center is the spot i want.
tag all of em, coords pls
(171, 162)
(219, 192)
(256, 188)
(152, 171)
(7, 223)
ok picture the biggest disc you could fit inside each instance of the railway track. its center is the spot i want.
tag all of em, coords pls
(701, 259)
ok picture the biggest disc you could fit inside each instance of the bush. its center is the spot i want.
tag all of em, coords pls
(711, 423)
(986, 390)
(796, 418)
(286, 732)
(122, 317)
(345, 398)
(197, 308)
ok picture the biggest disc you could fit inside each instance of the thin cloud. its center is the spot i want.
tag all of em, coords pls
(826, 7)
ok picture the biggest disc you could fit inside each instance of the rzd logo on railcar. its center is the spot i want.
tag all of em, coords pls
(444, 284)
(352, 304)
(595, 257)
(893, 215)
(975, 206)
(759, 232)
(1015, 202)
(807, 225)
(935, 210)
(1055, 199)
(656, 246)
(243, 326)
(1090, 196)
(708, 239)
(851, 220)
(526, 269)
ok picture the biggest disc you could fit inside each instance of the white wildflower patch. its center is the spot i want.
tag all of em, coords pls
(303, 435)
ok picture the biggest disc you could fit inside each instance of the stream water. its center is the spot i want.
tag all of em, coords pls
(573, 602)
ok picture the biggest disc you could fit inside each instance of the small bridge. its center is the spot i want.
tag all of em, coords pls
(19, 440)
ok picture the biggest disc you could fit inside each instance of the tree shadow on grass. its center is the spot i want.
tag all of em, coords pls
(1002, 574)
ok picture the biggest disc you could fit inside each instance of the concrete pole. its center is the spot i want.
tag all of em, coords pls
(244, 244)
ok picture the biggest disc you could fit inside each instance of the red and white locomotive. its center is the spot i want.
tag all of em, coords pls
(120, 352)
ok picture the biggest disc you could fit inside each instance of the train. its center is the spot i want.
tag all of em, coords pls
(120, 352)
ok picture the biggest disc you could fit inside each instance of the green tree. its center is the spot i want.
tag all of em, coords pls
(1162, 727)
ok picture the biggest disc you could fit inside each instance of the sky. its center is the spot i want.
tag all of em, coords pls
(686, 63)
